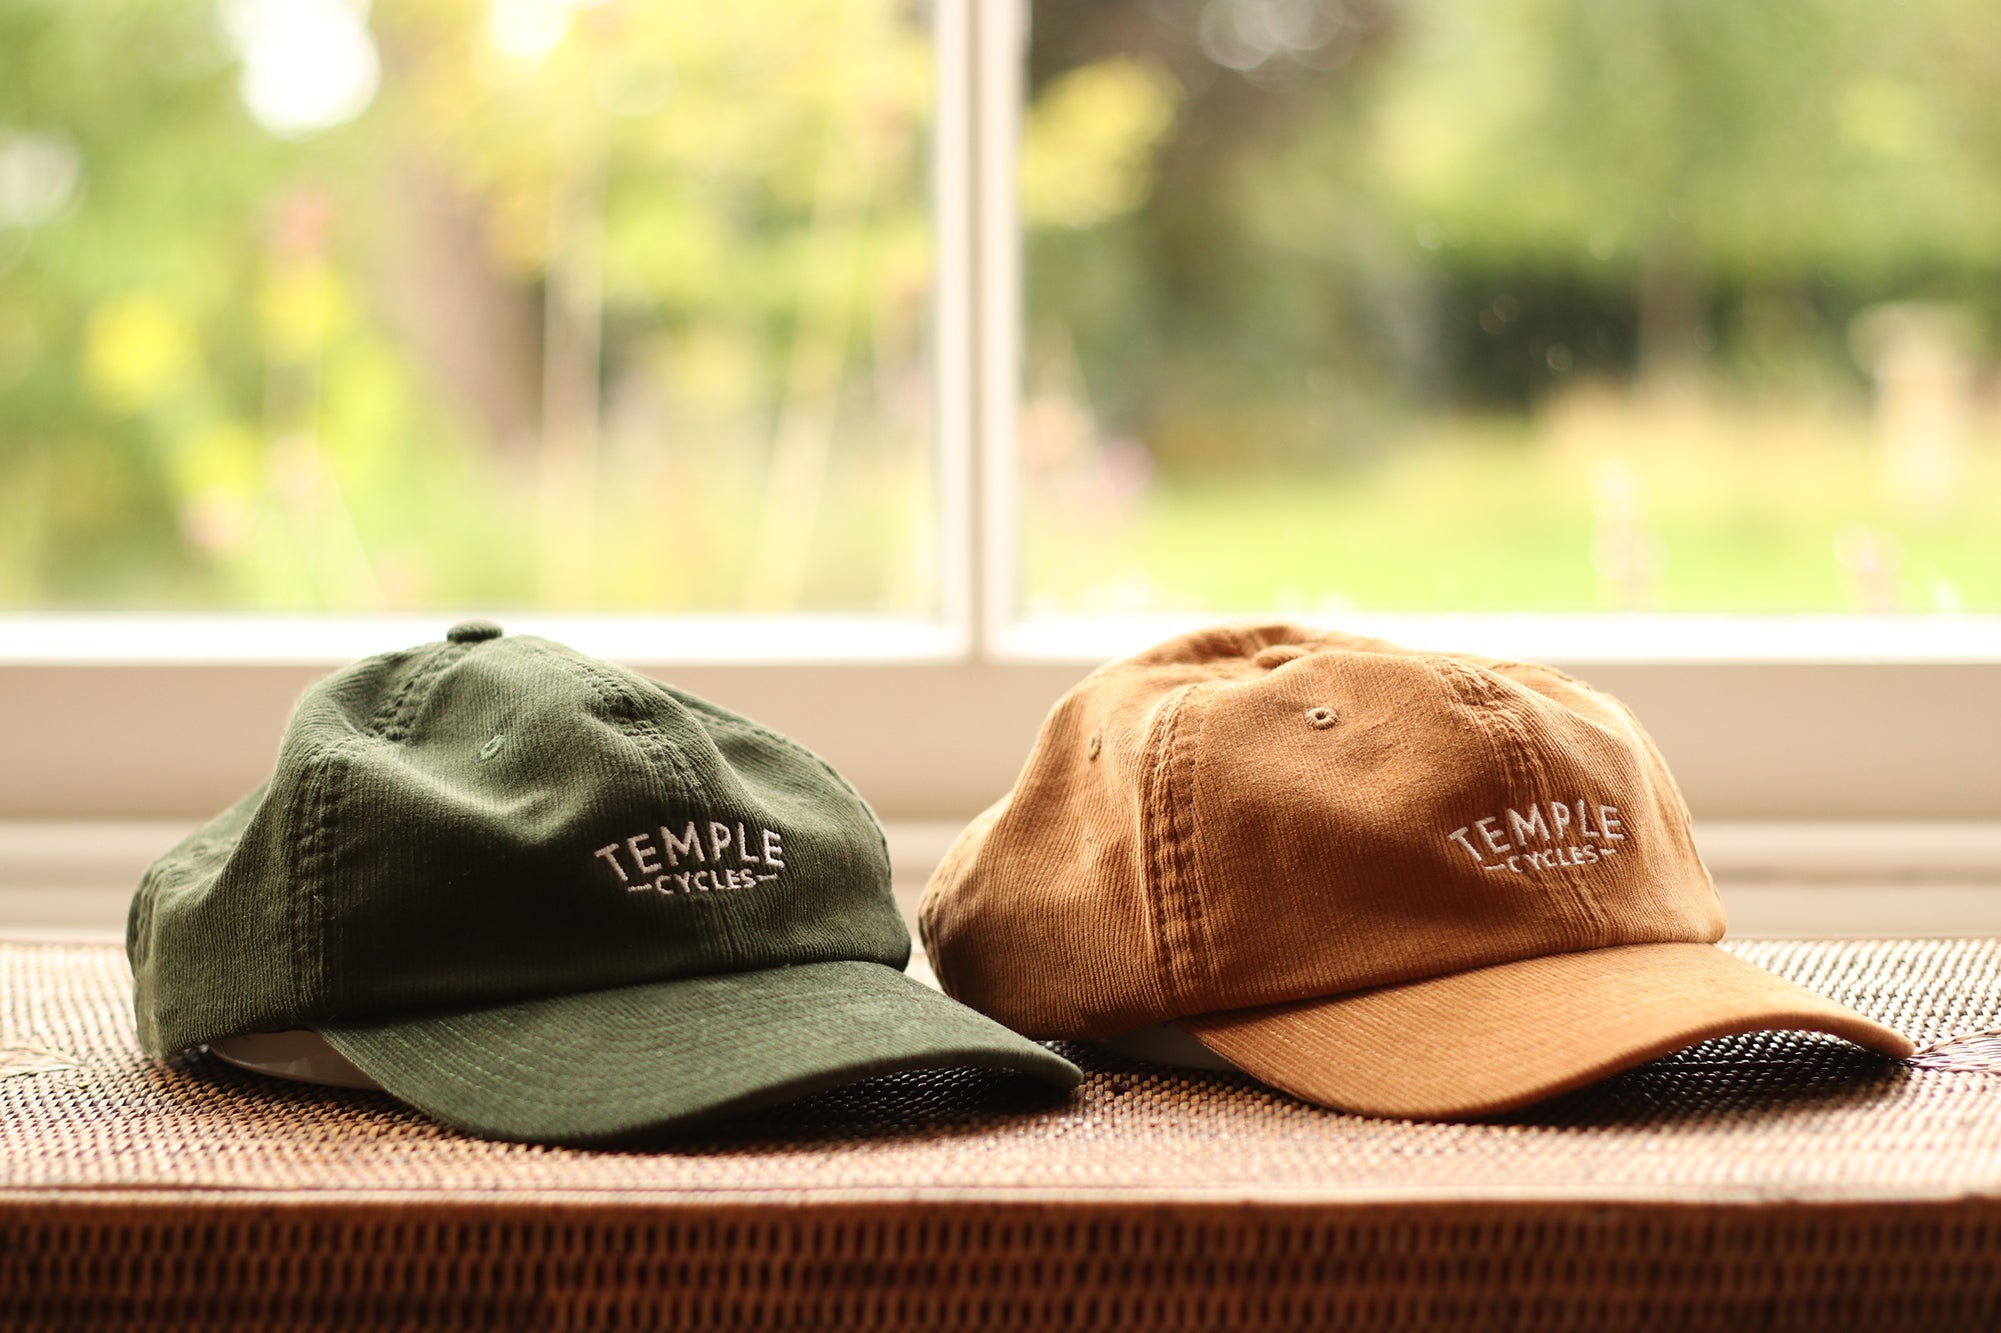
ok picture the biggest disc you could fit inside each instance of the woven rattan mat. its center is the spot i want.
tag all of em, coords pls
(1771, 1180)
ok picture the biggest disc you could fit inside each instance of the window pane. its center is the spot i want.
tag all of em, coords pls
(585, 304)
(1512, 305)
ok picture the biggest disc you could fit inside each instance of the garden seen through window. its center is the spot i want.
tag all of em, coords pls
(602, 305)
(1512, 305)
(324, 305)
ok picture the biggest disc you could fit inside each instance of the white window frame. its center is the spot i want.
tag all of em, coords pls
(1814, 718)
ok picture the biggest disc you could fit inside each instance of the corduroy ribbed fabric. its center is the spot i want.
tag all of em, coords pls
(1270, 815)
(495, 824)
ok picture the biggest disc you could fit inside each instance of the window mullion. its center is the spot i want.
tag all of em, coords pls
(998, 32)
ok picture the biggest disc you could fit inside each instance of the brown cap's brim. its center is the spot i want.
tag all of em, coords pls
(1496, 1038)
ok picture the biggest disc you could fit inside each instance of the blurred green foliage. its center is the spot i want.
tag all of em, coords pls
(605, 304)
(612, 305)
(1391, 255)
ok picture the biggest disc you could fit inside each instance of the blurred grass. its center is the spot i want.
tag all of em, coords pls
(1605, 502)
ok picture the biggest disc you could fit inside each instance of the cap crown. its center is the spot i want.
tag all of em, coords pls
(1250, 815)
(477, 822)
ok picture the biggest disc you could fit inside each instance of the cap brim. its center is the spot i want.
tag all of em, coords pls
(1481, 1042)
(610, 1064)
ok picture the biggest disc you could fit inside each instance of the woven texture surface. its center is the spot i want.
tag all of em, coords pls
(1752, 1179)
(1750, 1116)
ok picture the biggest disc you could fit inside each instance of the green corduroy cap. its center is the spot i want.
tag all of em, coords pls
(540, 897)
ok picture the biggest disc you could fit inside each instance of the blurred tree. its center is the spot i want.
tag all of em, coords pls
(1362, 206)
(1665, 146)
(313, 303)
(111, 385)
(1242, 248)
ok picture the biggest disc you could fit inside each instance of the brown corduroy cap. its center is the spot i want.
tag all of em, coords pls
(1393, 882)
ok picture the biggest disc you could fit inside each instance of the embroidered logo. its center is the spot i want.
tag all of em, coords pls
(729, 857)
(1551, 834)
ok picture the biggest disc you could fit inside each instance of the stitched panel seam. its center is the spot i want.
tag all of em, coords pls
(1515, 756)
(416, 691)
(304, 909)
(310, 947)
(297, 854)
(390, 724)
(1545, 782)
(385, 715)
(745, 727)
(1158, 851)
(1669, 792)
(1184, 888)
(139, 922)
(1477, 697)
(626, 713)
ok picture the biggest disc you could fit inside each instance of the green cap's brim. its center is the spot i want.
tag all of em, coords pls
(613, 1063)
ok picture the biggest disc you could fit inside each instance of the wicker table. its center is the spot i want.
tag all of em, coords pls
(1780, 1180)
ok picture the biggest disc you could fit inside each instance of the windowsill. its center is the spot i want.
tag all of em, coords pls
(1581, 638)
(1760, 718)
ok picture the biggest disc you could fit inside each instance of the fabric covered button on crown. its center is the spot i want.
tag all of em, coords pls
(473, 631)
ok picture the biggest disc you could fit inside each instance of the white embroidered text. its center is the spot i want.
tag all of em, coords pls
(1549, 835)
(704, 857)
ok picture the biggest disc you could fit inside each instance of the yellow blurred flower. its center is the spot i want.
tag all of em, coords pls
(226, 456)
(136, 351)
(1086, 151)
(303, 305)
(217, 473)
(1887, 118)
(715, 368)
